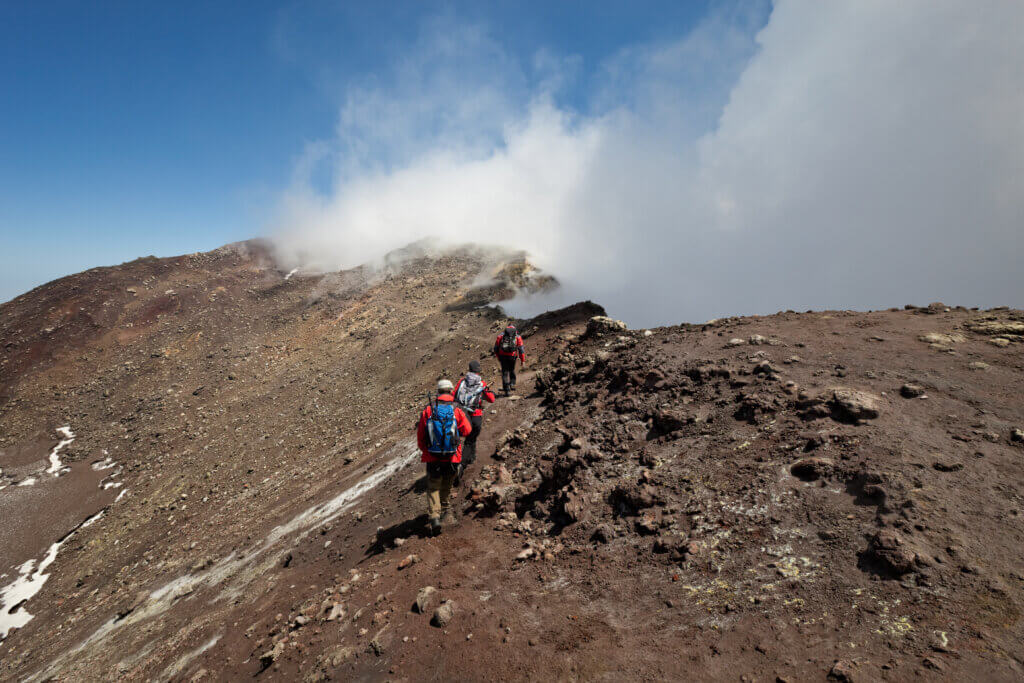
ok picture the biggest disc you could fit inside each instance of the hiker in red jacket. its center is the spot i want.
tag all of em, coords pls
(470, 393)
(508, 347)
(438, 435)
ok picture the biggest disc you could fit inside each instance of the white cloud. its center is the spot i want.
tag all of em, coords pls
(860, 154)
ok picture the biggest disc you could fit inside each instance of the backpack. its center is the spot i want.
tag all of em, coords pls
(508, 341)
(471, 391)
(442, 434)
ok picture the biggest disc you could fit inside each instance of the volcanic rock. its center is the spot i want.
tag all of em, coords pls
(911, 391)
(444, 614)
(850, 405)
(892, 552)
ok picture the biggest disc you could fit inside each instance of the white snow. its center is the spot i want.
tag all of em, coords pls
(55, 464)
(89, 521)
(106, 464)
(28, 482)
(237, 571)
(179, 665)
(290, 273)
(12, 610)
(121, 495)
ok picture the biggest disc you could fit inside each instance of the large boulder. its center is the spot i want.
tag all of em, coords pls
(602, 324)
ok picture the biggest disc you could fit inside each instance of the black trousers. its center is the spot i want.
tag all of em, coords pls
(469, 445)
(508, 371)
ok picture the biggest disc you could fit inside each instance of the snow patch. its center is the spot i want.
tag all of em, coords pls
(14, 596)
(237, 571)
(290, 273)
(28, 482)
(179, 665)
(104, 464)
(56, 466)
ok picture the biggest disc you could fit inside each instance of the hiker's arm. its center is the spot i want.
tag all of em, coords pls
(522, 352)
(421, 432)
(465, 427)
(488, 394)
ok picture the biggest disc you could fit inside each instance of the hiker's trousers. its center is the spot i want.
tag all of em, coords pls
(508, 371)
(439, 488)
(469, 445)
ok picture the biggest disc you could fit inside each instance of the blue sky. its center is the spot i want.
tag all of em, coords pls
(136, 128)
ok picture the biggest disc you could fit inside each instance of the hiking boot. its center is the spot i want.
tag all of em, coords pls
(449, 516)
(435, 526)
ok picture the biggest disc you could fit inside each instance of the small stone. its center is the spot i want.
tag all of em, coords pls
(1017, 436)
(337, 612)
(272, 655)
(1001, 342)
(850, 405)
(603, 534)
(408, 561)
(842, 670)
(911, 391)
(425, 599)
(443, 614)
(891, 550)
(735, 341)
(978, 365)
(526, 554)
(940, 642)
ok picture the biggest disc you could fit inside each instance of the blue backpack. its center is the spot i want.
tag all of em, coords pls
(443, 436)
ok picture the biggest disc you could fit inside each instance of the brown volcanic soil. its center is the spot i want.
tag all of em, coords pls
(685, 507)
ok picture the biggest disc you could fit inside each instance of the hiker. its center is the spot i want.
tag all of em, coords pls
(438, 436)
(508, 347)
(470, 393)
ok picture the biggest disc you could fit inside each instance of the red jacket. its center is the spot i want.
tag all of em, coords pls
(520, 351)
(488, 396)
(461, 423)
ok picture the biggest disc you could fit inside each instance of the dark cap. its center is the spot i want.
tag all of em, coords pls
(474, 366)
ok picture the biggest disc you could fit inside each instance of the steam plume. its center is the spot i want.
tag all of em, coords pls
(841, 155)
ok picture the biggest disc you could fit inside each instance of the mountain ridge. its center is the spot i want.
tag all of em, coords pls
(262, 512)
